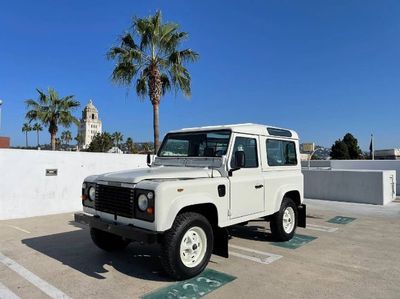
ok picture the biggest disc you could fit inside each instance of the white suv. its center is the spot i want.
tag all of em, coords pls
(202, 181)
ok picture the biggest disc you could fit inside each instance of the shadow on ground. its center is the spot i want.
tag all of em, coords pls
(76, 249)
(251, 232)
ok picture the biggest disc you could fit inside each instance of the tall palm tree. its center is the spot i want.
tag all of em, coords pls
(25, 129)
(155, 61)
(117, 137)
(52, 111)
(38, 128)
(130, 145)
(66, 136)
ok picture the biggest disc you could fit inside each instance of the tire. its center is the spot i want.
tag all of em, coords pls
(107, 241)
(186, 247)
(282, 224)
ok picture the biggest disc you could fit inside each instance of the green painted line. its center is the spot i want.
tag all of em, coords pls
(341, 220)
(193, 288)
(296, 242)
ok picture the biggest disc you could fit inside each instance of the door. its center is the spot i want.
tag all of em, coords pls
(247, 183)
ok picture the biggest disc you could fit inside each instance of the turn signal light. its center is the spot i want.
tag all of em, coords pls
(150, 210)
(84, 197)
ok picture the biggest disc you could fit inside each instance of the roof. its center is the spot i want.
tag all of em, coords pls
(247, 128)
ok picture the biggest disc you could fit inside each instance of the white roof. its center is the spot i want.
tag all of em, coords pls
(247, 128)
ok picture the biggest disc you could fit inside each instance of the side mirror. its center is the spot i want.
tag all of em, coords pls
(148, 159)
(240, 159)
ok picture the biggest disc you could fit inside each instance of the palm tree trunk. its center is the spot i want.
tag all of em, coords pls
(26, 139)
(53, 141)
(37, 138)
(156, 127)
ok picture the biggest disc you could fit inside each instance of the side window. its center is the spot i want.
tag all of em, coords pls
(249, 147)
(281, 153)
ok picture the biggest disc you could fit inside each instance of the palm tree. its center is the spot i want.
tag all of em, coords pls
(155, 61)
(25, 129)
(79, 139)
(66, 136)
(117, 137)
(130, 145)
(38, 128)
(52, 111)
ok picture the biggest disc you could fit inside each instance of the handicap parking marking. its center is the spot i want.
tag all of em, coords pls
(296, 242)
(44, 286)
(266, 257)
(341, 220)
(6, 293)
(193, 288)
(321, 228)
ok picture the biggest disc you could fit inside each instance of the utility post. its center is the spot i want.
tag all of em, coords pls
(1, 103)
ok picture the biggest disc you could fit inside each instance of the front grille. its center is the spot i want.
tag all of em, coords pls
(115, 200)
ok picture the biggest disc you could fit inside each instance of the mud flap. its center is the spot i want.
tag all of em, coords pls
(301, 212)
(221, 239)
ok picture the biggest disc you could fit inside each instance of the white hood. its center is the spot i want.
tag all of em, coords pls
(162, 172)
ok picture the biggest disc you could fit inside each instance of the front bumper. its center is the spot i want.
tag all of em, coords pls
(126, 231)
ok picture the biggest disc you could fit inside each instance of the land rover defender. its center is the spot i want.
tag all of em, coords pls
(201, 181)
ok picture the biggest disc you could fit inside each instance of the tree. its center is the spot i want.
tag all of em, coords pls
(38, 128)
(78, 139)
(339, 150)
(155, 61)
(101, 143)
(25, 129)
(352, 146)
(52, 111)
(66, 136)
(130, 145)
(117, 137)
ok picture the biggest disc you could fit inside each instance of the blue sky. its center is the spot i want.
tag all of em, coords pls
(323, 68)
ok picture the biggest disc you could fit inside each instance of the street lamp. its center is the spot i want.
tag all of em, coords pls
(1, 103)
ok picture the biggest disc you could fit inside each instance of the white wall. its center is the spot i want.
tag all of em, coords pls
(360, 164)
(26, 191)
(360, 186)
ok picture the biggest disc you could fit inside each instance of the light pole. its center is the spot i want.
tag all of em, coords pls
(1, 103)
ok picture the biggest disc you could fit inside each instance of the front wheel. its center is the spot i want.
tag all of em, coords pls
(187, 246)
(284, 222)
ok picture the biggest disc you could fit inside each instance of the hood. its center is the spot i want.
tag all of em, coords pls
(157, 173)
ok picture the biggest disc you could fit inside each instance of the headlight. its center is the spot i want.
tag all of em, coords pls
(92, 193)
(143, 202)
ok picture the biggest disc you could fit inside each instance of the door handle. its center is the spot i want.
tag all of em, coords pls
(258, 186)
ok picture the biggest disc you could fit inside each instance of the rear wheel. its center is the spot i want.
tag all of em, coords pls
(187, 246)
(284, 222)
(107, 241)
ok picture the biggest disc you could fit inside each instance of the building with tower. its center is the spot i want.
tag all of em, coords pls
(90, 125)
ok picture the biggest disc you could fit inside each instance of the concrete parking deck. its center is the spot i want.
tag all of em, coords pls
(52, 256)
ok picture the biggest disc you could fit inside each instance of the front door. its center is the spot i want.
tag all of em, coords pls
(247, 183)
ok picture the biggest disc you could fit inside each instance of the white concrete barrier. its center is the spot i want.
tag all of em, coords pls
(360, 186)
(359, 164)
(26, 191)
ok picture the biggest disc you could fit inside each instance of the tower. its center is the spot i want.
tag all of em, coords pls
(90, 124)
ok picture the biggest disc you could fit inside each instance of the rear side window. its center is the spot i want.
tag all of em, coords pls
(281, 153)
(249, 147)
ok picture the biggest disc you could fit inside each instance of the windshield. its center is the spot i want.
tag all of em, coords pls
(195, 144)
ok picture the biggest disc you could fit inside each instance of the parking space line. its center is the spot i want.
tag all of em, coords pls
(268, 259)
(6, 293)
(321, 228)
(44, 286)
(18, 228)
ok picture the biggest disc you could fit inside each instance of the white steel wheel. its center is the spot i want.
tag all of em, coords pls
(288, 220)
(193, 247)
